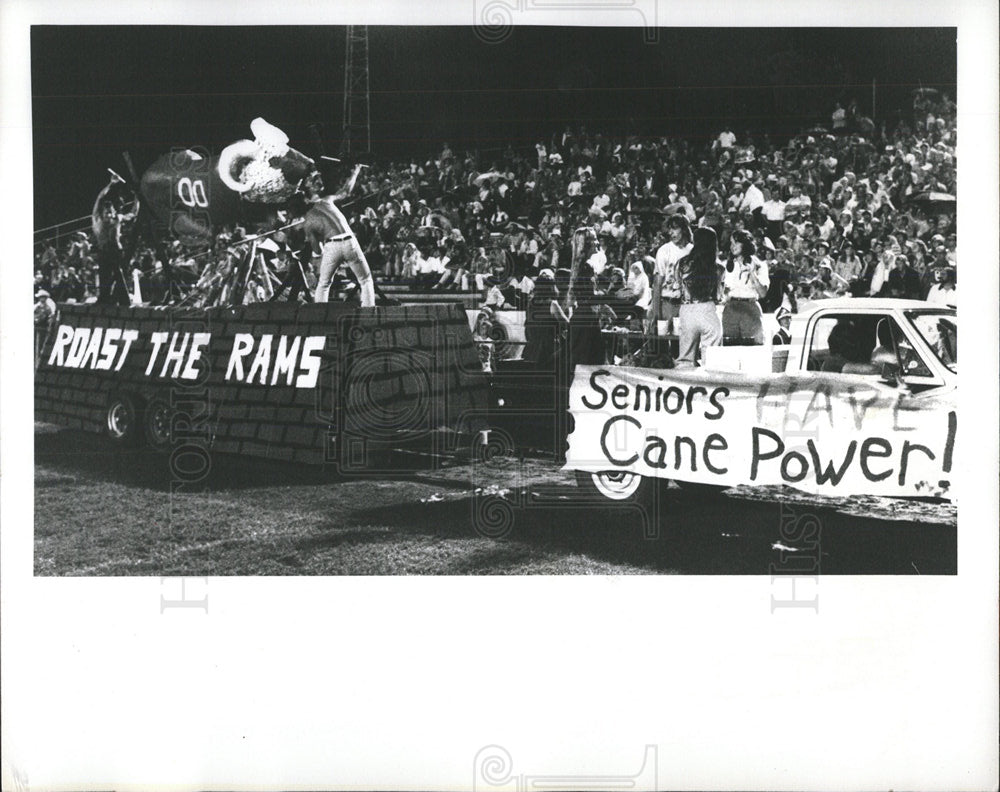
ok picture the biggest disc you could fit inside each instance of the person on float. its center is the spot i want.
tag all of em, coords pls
(746, 280)
(698, 283)
(666, 298)
(333, 242)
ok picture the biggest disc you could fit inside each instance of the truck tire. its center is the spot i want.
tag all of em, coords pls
(156, 423)
(619, 486)
(123, 420)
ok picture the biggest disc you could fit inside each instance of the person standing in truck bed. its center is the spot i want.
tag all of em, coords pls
(698, 284)
(746, 280)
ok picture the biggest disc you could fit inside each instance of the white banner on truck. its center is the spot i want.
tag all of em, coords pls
(823, 433)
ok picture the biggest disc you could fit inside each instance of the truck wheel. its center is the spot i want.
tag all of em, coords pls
(621, 486)
(157, 418)
(122, 420)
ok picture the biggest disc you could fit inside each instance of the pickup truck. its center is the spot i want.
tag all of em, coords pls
(862, 381)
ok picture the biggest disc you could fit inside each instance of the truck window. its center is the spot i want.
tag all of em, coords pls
(940, 333)
(843, 343)
(863, 344)
(891, 345)
(819, 343)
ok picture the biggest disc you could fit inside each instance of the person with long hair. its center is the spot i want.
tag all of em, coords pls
(542, 322)
(666, 299)
(746, 281)
(585, 344)
(698, 284)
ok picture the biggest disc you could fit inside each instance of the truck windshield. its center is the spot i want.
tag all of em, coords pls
(940, 331)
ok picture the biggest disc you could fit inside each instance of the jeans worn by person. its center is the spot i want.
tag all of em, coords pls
(339, 251)
(700, 328)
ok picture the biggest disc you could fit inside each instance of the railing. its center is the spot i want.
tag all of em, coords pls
(61, 231)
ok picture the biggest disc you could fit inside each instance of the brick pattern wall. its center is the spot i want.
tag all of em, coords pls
(388, 374)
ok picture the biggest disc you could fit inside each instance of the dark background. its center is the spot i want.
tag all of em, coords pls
(99, 91)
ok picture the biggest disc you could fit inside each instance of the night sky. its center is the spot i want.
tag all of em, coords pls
(99, 91)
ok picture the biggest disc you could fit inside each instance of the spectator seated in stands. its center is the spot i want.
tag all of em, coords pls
(636, 296)
(430, 266)
(943, 290)
(858, 194)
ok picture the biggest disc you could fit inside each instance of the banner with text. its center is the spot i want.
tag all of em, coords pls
(822, 433)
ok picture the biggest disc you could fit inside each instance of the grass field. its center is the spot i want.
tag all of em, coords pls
(99, 511)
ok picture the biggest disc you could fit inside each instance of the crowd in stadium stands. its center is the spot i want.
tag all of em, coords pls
(845, 209)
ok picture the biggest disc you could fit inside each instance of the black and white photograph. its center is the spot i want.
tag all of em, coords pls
(354, 313)
(441, 315)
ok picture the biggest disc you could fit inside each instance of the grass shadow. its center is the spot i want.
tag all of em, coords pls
(718, 535)
(69, 455)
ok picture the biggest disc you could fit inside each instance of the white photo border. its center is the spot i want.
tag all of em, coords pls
(400, 683)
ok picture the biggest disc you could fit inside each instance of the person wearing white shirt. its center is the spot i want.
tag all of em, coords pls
(753, 199)
(438, 261)
(943, 291)
(839, 118)
(880, 198)
(797, 200)
(745, 281)
(726, 138)
(601, 201)
(773, 210)
(431, 269)
(880, 276)
(617, 227)
(413, 262)
(850, 202)
(666, 296)
(637, 285)
(494, 297)
(826, 224)
(598, 261)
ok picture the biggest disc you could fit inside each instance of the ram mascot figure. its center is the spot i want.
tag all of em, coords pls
(188, 196)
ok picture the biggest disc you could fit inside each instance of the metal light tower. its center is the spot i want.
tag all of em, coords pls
(357, 118)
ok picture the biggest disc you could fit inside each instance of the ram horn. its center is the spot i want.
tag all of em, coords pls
(233, 160)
